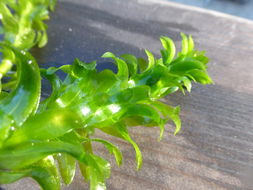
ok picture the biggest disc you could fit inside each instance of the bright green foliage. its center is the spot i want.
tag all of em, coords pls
(46, 140)
(87, 100)
(23, 26)
(24, 99)
(22, 21)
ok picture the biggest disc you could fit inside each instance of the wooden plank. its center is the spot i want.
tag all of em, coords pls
(214, 149)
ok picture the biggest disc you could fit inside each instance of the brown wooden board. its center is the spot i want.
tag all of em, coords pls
(214, 149)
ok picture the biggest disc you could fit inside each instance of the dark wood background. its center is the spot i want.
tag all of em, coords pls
(214, 149)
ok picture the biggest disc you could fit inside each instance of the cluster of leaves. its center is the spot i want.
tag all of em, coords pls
(22, 27)
(46, 140)
(86, 100)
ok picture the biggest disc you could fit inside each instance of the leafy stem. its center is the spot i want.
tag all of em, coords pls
(45, 140)
(23, 27)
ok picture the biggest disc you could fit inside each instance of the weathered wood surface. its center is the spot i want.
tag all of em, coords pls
(214, 149)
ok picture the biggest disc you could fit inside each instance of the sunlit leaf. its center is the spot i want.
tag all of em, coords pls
(112, 149)
(67, 167)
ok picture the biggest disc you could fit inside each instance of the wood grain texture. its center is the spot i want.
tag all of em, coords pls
(214, 149)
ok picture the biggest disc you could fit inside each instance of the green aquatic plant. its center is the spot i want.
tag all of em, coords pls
(22, 26)
(46, 140)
